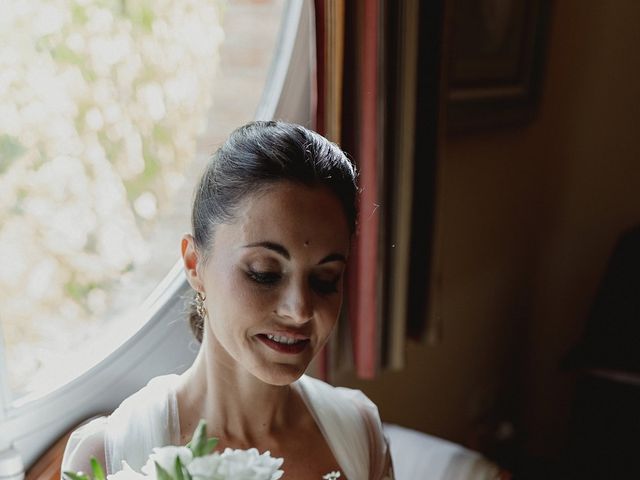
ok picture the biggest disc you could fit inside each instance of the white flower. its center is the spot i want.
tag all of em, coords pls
(205, 468)
(237, 465)
(250, 465)
(166, 458)
(127, 473)
(331, 476)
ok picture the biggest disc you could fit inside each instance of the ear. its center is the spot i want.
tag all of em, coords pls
(190, 260)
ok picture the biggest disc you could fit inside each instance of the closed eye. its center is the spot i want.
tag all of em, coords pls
(264, 278)
(325, 287)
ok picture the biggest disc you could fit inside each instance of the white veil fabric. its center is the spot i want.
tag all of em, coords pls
(348, 420)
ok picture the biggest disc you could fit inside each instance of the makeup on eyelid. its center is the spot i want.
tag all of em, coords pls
(268, 278)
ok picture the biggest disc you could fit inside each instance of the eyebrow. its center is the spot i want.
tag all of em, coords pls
(279, 249)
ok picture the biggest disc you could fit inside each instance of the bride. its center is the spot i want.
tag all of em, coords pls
(272, 220)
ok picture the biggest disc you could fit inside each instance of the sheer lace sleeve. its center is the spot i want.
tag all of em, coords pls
(146, 419)
(85, 442)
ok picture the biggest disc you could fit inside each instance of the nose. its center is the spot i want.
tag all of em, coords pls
(297, 303)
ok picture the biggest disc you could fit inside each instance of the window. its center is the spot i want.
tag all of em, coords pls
(156, 339)
(108, 111)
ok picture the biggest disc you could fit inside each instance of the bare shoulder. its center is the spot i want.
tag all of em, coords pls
(85, 442)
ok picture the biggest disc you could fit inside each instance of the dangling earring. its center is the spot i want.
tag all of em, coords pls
(201, 310)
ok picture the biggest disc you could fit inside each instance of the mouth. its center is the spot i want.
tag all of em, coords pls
(284, 343)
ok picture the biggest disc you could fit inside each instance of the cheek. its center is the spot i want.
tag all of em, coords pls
(328, 311)
(228, 297)
(245, 297)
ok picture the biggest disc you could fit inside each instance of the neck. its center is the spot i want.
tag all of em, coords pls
(237, 406)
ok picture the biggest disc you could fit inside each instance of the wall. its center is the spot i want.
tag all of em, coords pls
(528, 218)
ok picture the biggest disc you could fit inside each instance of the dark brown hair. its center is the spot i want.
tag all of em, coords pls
(256, 156)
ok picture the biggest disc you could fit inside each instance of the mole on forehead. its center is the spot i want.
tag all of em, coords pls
(306, 243)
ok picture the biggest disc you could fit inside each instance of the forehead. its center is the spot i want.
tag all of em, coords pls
(299, 217)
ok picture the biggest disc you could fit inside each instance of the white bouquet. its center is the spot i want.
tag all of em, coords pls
(197, 461)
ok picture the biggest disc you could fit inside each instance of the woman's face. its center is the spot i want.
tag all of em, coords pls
(273, 281)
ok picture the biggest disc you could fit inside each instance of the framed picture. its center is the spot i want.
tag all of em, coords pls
(496, 57)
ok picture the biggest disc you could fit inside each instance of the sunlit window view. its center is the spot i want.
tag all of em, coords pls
(108, 110)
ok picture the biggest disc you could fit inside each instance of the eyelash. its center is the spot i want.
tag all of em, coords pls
(265, 278)
(270, 278)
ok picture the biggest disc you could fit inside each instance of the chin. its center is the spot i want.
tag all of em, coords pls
(279, 374)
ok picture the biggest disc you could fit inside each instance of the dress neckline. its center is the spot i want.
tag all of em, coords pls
(299, 386)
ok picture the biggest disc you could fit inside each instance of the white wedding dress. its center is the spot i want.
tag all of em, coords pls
(348, 420)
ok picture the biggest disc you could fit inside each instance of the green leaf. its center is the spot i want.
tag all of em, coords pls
(161, 473)
(63, 54)
(98, 471)
(178, 468)
(199, 439)
(79, 14)
(10, 150)
(210, 445)
(199, 444)
(75, 476)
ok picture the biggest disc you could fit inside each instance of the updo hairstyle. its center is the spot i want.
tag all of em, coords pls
(255, 157)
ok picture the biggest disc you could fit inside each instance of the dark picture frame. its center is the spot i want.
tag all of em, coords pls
(495, 62)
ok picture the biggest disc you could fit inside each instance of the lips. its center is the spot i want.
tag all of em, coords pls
(284, 343)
